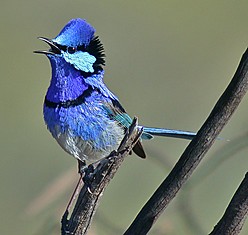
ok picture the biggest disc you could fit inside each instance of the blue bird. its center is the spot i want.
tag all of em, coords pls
(82, 114)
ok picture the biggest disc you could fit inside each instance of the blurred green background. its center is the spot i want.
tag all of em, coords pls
(168, 62)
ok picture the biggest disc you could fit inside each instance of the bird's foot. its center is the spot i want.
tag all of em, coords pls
(86, 173)
(87, 178)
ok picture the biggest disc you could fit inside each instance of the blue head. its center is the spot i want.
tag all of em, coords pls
(77, 32)
(76, 45)
(76, 57)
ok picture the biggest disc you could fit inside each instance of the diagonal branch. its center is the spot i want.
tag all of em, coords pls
(90, 194)
(233, 220)
(195, 151)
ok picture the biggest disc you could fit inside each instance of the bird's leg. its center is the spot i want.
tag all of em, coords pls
(87, 178)
(86, 173)
(81, 167)
(85, 170)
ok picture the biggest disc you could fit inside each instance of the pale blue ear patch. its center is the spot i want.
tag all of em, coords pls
(80, 60)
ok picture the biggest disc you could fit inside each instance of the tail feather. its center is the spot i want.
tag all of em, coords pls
(139, 150)
(147, 131)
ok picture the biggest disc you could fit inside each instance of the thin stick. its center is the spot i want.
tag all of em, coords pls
(233, 220)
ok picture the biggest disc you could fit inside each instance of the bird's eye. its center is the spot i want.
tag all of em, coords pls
(71, 50)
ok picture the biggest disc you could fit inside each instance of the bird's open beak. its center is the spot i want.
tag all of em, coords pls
(52, 51)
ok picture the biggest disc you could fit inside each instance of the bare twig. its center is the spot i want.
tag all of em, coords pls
(195, 151)
(90, 194)
(233, 220)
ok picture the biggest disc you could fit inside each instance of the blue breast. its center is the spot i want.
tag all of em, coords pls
(85, 131)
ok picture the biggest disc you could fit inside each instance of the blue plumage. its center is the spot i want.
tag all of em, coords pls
(82, 114)
(77, 32)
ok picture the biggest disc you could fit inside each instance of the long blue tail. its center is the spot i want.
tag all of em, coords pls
(149, 132)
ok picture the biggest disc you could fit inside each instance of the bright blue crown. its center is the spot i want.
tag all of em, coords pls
(76, 32)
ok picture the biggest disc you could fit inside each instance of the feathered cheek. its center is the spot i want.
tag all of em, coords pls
(80, 60)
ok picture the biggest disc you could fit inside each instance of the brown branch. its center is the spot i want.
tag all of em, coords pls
(90, 194)
(233, 220)
(195, 151)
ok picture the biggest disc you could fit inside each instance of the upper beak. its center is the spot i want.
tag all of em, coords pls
(53, 50)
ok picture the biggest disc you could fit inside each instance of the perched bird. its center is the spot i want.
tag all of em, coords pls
(82, 114)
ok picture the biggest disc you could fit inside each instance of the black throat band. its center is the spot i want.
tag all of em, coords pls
(70, 103)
